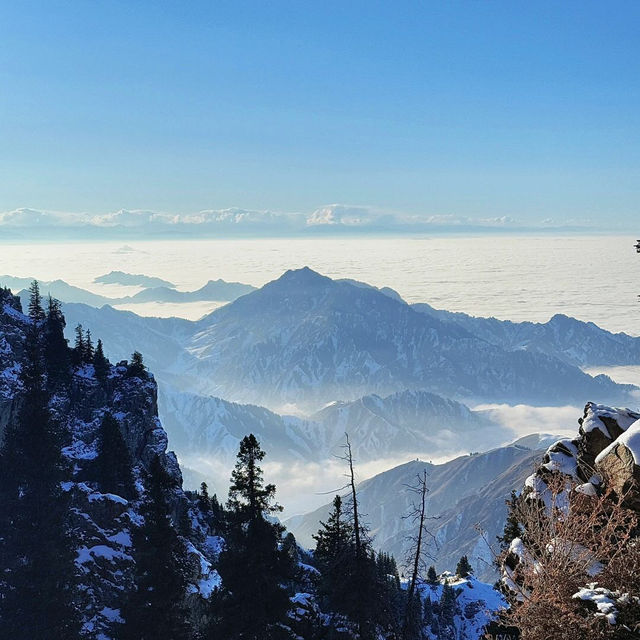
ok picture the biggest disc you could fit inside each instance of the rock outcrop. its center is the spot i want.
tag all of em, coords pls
(102, 523)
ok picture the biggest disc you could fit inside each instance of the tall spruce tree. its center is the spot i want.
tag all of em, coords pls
(253, 603)
(36, 551)
(100, 363)
(335, 557)
(447, 611)
(88, 348)
(56, 350)
(512, 528)
(79, 347)
(113, 463)
(156, 607)
(36, 312)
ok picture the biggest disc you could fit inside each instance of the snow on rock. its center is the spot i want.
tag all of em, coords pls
(630, 439)
(604, 600)
(599, 416)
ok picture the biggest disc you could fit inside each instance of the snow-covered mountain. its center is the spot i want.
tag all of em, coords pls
(464, 492)
(573, 341)
(400, 425)
(407, 423)
(305, 340)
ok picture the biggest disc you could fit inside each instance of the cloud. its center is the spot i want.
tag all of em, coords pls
(331, 218)
(523, 420)
(465, 221)
(341, 214)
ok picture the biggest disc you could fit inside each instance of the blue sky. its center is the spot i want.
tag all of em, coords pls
(472, 110)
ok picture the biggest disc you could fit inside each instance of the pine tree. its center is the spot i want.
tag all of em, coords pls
(447, 608)
(100, 363)
(36, 551)
(136, 368)
(512, 527)
(432, 576)
(36, 313)
(414, 618)
(156, 607)
(56, 350)
(217, 514)
(389, 599)
(253, 603)
(204, 502)
(335, 557)
(113, 463)
(88, 348)
(79, 347)
(464, 567)
(427, 612)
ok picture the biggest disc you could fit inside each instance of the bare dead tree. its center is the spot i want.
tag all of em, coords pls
(354, 498)
(358, 542)
(417, 551)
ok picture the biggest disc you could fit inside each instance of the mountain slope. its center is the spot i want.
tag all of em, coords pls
(407, 423)
(305, 340)
(465, 491)
(207, 430)
(573, 341)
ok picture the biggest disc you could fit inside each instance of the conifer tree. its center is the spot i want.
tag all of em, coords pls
(447, 609)
(414, 618)
(512, 527)
(156, 607)
(217, 514)
(253, 603)
(427, 612)
(136, 368)
(463, 569)
(204, 502)
(36, 552)
(335, 556)
(36, 312)
(79, 347)
(88, 348)
(100, 363)
(389, 600)
(56, 350)
(432, 576)
(113, 463)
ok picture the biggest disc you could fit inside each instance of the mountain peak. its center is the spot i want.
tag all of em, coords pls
(305, 275)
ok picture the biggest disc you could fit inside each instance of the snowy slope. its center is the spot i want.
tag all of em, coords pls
(465, 491)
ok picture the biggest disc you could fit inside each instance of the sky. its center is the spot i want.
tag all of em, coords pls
(401, 114)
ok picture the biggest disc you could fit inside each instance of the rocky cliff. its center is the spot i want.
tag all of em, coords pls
(102, 523)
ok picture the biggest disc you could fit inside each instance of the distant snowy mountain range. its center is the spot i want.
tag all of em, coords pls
(400, 425)
(349, 357)
(305, 340)
(214, 290)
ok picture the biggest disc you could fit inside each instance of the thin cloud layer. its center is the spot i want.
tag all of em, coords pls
(333, 218)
